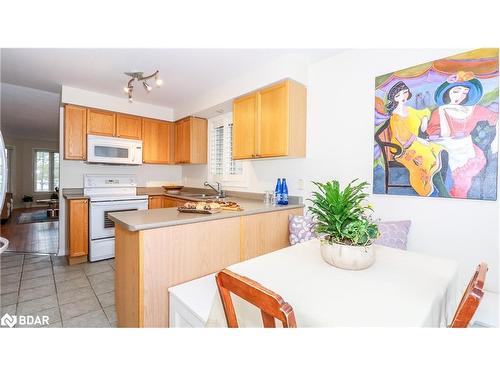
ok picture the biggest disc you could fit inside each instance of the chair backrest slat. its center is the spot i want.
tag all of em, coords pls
(272, 306)
(471, 298)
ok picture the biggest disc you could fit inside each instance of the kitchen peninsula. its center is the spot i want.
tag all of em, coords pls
(159, 248)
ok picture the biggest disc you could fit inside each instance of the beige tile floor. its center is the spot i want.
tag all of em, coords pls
(71, 296)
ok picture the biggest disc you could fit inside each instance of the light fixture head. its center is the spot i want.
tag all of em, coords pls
(158, 80)
(126, 89)
(147, 86)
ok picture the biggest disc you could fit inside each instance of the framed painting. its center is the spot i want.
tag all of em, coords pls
(436, 128)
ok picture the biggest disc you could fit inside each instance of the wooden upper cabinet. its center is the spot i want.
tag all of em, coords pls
(75, 132)
(157, 137)
(101, 122)
(272, 127)
(244, 126)
(191, 138)
(128, 126)
(182, 141)
(271, 122)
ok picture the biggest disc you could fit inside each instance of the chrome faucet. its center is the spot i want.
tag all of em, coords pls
(220, 193)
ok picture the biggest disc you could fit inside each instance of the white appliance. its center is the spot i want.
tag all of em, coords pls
(112, 150)
(4, 243)
(109, 193)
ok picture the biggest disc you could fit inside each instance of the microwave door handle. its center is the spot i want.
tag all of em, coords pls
(134, 154)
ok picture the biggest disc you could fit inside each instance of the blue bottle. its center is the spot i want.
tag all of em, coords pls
(277, 191)
(284, 193)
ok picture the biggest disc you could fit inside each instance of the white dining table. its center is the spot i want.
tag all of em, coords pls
(401, 289)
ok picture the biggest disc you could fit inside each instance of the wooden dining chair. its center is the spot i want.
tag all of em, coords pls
(271, 305)
(471, 298)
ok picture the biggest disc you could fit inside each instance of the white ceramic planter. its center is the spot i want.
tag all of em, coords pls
(347, 257)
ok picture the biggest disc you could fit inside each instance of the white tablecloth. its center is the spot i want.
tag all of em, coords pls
(401, 288)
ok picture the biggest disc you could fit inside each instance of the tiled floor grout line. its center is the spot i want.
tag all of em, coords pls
(19, 286)
(57, 295)
(95, 294)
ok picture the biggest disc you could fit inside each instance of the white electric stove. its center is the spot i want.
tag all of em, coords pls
(109, 193)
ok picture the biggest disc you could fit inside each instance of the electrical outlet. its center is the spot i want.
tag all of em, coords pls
(300, 184)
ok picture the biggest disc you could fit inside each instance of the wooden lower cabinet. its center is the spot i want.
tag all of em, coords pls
(162, 201)
(155, 201)
(78, 230)
(149, 262)
(173, 202)
(265, 232)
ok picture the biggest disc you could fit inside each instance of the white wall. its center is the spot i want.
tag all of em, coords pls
(291, 65)
(22, 166)
(340, 146)
(71, 95)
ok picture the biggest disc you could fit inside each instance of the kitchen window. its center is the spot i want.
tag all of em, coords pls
(45, 170)
(221, 166)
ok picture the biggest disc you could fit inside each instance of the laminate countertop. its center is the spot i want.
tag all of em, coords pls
(166, 217)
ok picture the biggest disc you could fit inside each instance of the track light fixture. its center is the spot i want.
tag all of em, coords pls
(139, 76)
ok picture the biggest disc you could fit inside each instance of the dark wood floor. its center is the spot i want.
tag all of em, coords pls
(33, 237)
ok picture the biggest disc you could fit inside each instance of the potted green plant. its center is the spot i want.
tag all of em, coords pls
(344, 225)
(28, 201)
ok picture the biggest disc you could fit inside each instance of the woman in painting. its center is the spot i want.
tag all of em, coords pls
(422, 159)
(452, 123)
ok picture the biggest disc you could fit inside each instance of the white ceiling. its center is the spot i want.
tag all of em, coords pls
(186, 73)
(29, 113)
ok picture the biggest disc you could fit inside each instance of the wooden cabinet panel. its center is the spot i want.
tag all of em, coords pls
(101, 122)
(173, 202)
(198, 145)
(263, 233)
(271, 122)
(155, 201)
(128, 126)
(244, 126)
(75, 132)
(157, 137)
(191, 141)
(182, 141)
(272, 128)
(78, 223)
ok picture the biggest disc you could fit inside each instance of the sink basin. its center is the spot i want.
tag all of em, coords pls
(199, 196)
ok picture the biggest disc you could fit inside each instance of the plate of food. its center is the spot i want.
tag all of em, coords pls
(200, 207)
(227, 205)
(231, 206)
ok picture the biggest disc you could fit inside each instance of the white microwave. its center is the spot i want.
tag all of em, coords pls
(112, 150)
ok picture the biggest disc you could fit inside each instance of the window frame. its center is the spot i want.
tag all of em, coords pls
(51, 169)
(11, 173)
(226, 179)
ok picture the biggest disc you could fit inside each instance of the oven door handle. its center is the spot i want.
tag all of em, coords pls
(117, 203)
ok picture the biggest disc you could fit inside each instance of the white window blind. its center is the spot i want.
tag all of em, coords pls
(221, 166)
(45, 170)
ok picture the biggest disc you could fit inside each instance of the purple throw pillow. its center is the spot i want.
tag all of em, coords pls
(301, 228)
(393, 233)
